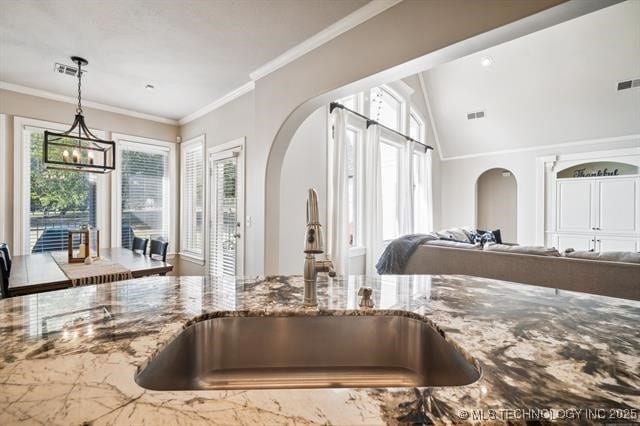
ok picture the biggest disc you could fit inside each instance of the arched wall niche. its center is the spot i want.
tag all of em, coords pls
(598, 169)
(497, 203)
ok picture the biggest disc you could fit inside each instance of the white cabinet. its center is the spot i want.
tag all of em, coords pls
(599, 214)
(617, 205)
(577, 242)
(606, 243)
(575, 205)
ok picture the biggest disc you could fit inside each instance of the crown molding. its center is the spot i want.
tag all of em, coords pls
(545, 147)
(95, 105)
(234, 94)
(350, 21)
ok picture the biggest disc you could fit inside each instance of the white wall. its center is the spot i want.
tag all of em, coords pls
(459, 183)
(232, 121)
(304, 167)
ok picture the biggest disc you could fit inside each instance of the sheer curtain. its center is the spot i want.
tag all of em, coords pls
(338, 197)
(372, 214)
(405, 190)
(423, 197)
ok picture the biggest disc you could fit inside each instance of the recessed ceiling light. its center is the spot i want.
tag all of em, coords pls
(149, 87)
(486, 61)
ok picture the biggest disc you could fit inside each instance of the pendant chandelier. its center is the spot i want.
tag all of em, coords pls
(78, 149)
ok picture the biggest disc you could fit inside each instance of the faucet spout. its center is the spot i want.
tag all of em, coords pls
(313, 235)
(312, 246)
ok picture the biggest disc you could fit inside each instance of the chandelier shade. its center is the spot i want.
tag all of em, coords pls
(78, 149)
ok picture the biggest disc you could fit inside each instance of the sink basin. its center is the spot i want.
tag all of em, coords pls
(307, 352)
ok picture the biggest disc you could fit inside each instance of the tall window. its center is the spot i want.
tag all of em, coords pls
(390, 167)
(192, 211)
(59, 200)
(386, 108)
(404, 181)
(415, 127)
(144, 192)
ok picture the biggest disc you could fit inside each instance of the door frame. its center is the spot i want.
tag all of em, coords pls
(237, 147)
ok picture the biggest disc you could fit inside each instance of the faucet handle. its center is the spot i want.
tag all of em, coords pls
(365, 297)
(325, 266)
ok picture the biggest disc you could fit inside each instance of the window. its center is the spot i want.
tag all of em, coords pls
(192, 205)
(415, 127)
(52, 201)
(386, 108)
(389, 163)
(390, 105)
(351, 102)
(144, 191)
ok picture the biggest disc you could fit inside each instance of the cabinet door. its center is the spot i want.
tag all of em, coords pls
(617, 205)
(576, 242)
(615, 244)
(575, 207)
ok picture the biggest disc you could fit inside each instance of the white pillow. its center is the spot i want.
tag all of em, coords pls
(457, 244)
(608, 256)
(535, 250)
(457, 234)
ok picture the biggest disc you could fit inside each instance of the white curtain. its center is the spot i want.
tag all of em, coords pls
(372, 214)
(423, 202)
(405, 190)
(338, 197)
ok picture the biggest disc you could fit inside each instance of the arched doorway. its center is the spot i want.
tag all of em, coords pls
(496, 206)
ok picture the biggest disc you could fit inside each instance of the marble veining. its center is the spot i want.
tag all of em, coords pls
(70, 356)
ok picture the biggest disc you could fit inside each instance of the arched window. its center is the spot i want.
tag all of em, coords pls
(416, 126)
(386, 108)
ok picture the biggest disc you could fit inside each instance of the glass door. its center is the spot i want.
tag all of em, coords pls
(225, 227)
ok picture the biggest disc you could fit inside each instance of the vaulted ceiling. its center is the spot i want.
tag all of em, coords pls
(192, 51)
(554, 86)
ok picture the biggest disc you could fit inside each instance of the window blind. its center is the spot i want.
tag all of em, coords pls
(224, 226)
(144, 192)
(192, 200)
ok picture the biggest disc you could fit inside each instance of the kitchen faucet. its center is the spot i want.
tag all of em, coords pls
(313, 246)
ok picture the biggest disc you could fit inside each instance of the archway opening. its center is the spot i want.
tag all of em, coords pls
(496, 207)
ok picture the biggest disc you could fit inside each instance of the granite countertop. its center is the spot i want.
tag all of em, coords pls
(69, 356)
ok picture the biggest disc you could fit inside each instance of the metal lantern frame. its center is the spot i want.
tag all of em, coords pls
(73, 140)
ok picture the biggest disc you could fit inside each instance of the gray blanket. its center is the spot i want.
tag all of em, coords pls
(397, 254)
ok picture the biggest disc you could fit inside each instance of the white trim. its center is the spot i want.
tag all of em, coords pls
(216, 152)
(197, 142)
(402, 88)
(423, 87)
(71, 100)
(232, 95)
(123, 140)
(343, 25)
(543, 147)
(22, 180)
(193, 259)
(4, 175)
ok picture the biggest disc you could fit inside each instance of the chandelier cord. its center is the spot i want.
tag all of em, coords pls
(79, 108)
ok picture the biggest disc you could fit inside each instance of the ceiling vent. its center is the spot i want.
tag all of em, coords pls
(628, 84)
(474, 115)
(67, 70)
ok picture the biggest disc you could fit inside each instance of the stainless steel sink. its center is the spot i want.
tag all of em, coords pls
(307, 352)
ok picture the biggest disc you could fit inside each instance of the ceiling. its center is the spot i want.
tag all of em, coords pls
(557, 85)
(192, 51)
